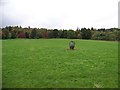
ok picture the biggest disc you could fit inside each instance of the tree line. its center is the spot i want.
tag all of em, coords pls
(13, 32)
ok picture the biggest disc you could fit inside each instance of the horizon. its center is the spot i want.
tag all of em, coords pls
(57, 28)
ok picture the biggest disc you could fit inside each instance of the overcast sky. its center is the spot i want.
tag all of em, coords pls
(61, 14)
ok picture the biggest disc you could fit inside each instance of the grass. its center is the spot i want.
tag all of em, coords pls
(48, 63)
(0, 64)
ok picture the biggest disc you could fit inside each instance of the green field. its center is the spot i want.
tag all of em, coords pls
(48, 63)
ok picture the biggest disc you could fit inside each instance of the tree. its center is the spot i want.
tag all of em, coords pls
(60, 35)
(33, 33)
(117, 34)
(9, 28)
(6, 33)
(102, 29)
(86, 33)
(44, 32)
(0, 33)
(13, 34)
(64, 33)
(70, 34)
(55, 33)
(38, 34)
(50, 33)
(10, 35)
(21, 35)
(26, 34)
(78, 34)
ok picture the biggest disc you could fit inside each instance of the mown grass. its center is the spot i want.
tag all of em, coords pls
(0, 64)
(48, 63)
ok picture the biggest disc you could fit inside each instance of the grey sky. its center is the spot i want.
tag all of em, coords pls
(61, 14)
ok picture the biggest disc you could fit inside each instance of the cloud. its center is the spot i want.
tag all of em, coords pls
(60, 13)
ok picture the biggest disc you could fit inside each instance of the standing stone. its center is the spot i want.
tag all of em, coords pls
(72, 45)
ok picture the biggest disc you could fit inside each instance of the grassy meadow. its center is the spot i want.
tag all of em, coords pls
(0, 64)
(48, 63)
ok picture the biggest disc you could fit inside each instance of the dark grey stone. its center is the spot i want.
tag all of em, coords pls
(71, 45)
